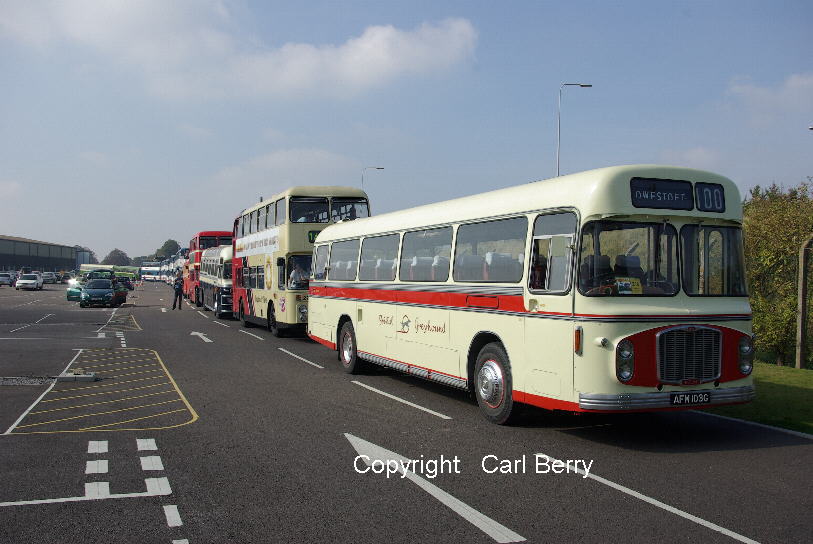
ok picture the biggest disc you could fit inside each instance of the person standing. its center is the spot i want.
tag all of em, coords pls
(178, 286)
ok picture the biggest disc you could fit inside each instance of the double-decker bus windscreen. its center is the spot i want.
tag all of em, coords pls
(226, 271)
(627, 259)
(213, 241)
(347, 209)
(309, 210)
(713, 261)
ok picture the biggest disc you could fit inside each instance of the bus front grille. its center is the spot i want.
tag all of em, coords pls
(689, 355)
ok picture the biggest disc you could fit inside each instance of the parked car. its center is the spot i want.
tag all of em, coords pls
(49, 277)
(6, 279)
(66, 278)
(125, 281)
(29, 281)
(99, 292)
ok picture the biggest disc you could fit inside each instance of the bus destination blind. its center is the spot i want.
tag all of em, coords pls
(666, 194)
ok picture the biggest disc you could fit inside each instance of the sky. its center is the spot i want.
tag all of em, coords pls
(126, 123)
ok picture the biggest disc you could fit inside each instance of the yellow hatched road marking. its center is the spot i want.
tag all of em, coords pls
(106, 392)
(100, 385)
(119, 363)
(134, 419)
(116, 358)
(98, 414)
(124, 368)
(101, 402)
(130, 374)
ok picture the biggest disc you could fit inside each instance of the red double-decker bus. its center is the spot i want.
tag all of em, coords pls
(199, 242)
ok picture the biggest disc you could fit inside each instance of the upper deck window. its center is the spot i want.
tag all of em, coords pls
(309, 210)
(627, 259)
(713, 263)
(347, 209)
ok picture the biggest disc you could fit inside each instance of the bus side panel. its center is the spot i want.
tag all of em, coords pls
(466, 325)
(422, 338)
(375, 331)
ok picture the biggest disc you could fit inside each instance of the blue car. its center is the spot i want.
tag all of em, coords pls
(102, 293)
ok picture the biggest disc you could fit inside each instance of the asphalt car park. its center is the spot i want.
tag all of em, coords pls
(203, 431)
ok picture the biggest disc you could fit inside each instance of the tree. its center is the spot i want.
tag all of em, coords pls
(137, 261)
(117, 258)
(169, 248)
(776, 222)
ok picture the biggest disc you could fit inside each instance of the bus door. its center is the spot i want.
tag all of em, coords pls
(549, 327)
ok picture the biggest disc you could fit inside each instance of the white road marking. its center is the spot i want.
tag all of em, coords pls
(495, 530)
(21, 328)
(181, 541)
(146, 444)
(203, 314)
(97, 446)
(19, 419)
(173, 517)
(201, 336)
(254, 335)
(97, 490)
(219, 323)
(164, 310)
(152, 462)
(393, 397)
(43, 318)
(155, 487)
(659, 504)
(762, 425)
(96, 467)
(300, 358)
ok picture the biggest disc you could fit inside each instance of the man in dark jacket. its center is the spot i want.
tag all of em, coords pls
(178, 286)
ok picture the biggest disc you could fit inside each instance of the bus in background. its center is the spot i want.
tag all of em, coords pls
(215, 280)
(149, 271)
(273, 243)
(200, 242)
(614, 290)
(178, 260)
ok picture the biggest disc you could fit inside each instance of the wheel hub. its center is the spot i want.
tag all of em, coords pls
(490, 384)
(347, 349)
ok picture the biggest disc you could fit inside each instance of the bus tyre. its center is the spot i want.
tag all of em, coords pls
(273, 326)
(218, 313)
(493, 385)
(198, 301)
(246, 324)
(348, 354)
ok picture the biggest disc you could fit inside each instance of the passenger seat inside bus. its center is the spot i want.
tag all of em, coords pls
(629, 266)
(385, 269)
(470, 268)
(502, 267)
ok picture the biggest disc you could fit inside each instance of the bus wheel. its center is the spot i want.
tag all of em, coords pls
(493, 385)
(198, 301)
(273, 326)
(348, 354)
(217, 312)
(246, 324)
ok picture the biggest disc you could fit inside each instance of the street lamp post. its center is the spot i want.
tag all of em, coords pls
(368, 168)
(559, 118)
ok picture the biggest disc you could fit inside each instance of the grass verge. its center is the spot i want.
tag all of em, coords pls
(784, 399)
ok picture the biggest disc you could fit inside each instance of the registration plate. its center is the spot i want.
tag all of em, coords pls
(683, 399)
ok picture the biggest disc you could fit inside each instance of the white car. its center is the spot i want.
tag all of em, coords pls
(48, 277)
(29, 281)
(6, 279)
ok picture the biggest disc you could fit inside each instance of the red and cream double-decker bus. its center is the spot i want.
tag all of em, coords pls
(273, 244)
(201, 241)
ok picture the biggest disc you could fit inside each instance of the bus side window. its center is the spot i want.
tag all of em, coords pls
(261, 218)
(320, 265)
(419, 250)
(551, 252)
(280, 211)
(344, 260)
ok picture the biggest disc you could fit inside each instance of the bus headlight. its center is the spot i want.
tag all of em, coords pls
(746, 353)
(624, 361)
(302, 310)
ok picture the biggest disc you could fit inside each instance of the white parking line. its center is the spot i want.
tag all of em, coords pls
(43, 318)
(203, 315)
(155, 487)
(152, 462)
(300, 358)
(221, 324)
(97, 446)
(21, 328)
(659, 504)
(173, 517)
(393, 397)
(146, 444)
(96, 467)
(254, 335)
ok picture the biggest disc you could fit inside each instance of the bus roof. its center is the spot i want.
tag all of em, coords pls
(310, 190)
(604, 192)
(220, 252)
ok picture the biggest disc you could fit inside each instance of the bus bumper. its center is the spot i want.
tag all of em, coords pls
(650, 401)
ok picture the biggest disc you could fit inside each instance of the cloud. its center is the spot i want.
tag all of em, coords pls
(275, 171)
(193, 49)
(794, 95)
(697, 157)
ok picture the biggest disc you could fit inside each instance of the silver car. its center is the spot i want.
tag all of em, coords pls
(6, 279)
(29, 281)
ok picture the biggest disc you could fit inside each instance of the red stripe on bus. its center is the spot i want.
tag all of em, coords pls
(322, 341)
